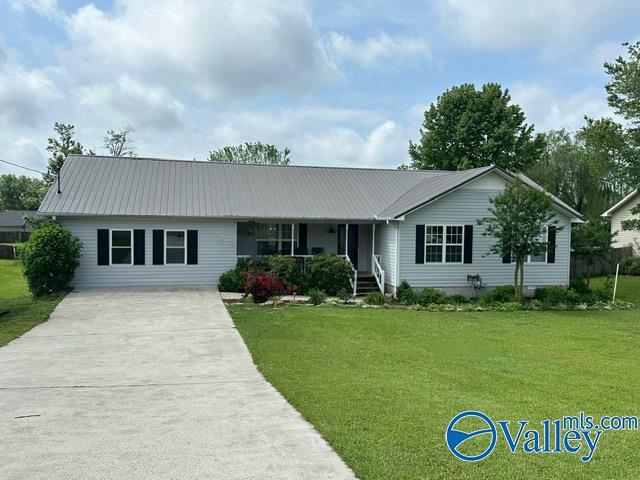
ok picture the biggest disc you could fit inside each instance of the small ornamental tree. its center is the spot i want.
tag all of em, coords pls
(518, 218)
(49, 259)
(590, 241)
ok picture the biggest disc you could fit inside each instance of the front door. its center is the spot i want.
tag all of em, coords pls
(352, 244)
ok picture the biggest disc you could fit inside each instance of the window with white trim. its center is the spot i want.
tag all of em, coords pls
(275, 238)
(121, 248)
(444, 243)
(175, 247)
(539, 257)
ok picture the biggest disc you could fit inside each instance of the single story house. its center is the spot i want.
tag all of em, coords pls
(618, 213)
(146, 221)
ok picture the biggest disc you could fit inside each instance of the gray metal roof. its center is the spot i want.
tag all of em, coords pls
(96, 185)
(15, 218)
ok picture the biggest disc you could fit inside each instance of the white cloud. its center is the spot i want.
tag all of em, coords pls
(132, 102)
(22, 151)
(549, 26)
(23, 93)
(46, 8)
(548, 110)
(320, 135)
(215, 47)
(378, 49)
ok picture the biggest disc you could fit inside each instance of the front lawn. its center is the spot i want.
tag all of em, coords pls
(25, 312)
(381, 385)
(628, 287)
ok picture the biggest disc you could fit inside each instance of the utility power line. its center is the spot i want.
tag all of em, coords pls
(22, 166)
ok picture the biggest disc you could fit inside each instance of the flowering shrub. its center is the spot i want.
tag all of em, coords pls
(262, 285)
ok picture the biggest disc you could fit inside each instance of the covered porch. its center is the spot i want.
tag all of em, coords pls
(354, 241)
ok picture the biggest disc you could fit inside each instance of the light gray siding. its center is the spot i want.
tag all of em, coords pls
(386, 248)
(628, 237)
(216, 252)
(464, 207)
(318, 236)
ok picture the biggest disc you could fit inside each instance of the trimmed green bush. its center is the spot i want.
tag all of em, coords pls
(317, 297)
(376, 298)
(345, 295)
(295, 280)
(283, 267)
(329, 273)
(504, 293)
(556, 295)
(457, 299)
(404, 291)
(232, 280)
(428, 296)
(630, 266)
(49, 259)
(579, 285)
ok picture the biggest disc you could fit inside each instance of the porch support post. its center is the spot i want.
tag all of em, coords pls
(293, 226)
(373, 241)
(346, 239)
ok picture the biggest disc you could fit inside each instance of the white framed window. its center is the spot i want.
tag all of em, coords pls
(444, 244)
(537, 258)
(121, 247)
(275, 238)
(175, 247)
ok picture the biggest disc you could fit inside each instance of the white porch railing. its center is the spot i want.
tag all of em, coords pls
(378, 272)
(353, 281)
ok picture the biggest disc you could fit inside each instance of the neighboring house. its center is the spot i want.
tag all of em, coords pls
(622, 211)
(13, 227)
(148, 221)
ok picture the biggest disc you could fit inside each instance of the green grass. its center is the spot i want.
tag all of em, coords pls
(628, 287)
(25, 312)
(381, 385)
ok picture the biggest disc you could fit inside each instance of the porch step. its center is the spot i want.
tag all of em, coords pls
(366, 284)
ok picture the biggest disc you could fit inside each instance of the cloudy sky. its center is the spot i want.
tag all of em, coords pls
(339, 83)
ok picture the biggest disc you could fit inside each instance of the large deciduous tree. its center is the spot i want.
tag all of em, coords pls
(467, 128)
(517, 220)
(624, 87)
(624, 97)
(587, 170)
(256, 153)
(20, 192)
(60, 146)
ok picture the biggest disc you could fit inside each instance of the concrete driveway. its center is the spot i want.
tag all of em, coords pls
(147, 383)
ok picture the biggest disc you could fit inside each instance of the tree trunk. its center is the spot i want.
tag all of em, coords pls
(588, 271)
(521, 286)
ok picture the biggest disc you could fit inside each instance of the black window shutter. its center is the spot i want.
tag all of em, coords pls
(158, 247)
(419, 243)
(468, 244)
(506, 258)
(138, 247)
(551, 244)
(103, 246)
(302, 235)
(192, 247)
